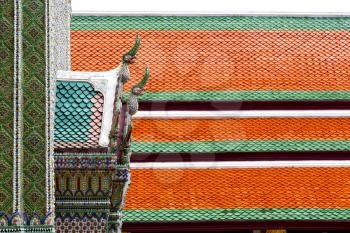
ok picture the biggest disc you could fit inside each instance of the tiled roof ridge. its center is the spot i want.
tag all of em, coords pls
(80, 95)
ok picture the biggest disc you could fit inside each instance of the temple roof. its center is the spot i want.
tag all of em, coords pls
(213, 58)
(230, 58)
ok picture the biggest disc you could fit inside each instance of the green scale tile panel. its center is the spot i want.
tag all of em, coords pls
(78, 115)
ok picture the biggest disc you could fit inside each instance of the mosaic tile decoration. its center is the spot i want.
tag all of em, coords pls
(85, 162)
(6, 105)
(228, 58)
(86, 225)
(26, 180)
(34, 106)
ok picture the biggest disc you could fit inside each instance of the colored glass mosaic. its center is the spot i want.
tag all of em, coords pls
(34, 106)
(6, 104)
(86, 225)
(102, 162)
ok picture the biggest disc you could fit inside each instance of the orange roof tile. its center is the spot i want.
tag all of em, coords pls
(239, 188)
(172, 130)
(223, 60)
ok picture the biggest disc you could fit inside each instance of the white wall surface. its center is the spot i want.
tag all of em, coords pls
(212, 6)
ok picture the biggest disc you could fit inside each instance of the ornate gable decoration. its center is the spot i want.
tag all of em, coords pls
(87, 103)
(90, 116)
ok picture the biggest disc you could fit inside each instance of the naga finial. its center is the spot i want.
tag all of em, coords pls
(127, 59)
(137, 90)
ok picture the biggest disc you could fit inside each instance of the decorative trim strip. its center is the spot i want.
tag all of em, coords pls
(23, 219)
(17, 180)
(58, 14)
(242, 114)
(31, 229)
(238, 225)
(89, 155)
(84, 202)
(240, 164)
(49, 116)
(104, 82)
(93, 163)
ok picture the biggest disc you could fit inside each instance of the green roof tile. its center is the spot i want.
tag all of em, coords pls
(242, 146)
(244, 95)
(168, 215)
(208, 23)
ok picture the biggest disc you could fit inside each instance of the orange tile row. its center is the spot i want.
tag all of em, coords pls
(168, 130)
(239, 188)
(222, 60)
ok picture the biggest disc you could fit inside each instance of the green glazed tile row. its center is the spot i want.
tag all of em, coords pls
(73, 111)
(208, 23)
(244, 95)
(169, 215)
(6, 105)
(242, 146)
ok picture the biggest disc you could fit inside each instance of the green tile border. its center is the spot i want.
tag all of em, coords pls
(208, 23)
(165, 215)
(241, 146)
(245, 95)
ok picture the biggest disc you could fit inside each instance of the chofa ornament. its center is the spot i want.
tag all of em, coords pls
(127, 59)
(137, 90)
